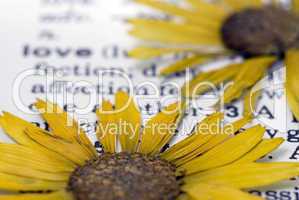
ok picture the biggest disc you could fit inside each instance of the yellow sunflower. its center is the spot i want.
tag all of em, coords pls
(261, 33)
(211, 163)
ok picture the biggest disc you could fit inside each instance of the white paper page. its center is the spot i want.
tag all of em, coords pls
(79, 38)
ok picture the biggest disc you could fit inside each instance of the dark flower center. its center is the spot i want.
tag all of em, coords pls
(124, 176)
(258, 31)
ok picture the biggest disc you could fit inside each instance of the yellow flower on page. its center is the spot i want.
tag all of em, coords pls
(206, 30)
(214, 162)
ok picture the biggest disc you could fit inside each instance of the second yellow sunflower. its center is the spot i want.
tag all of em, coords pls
(261, 33)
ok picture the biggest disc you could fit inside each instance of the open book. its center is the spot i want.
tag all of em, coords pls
(74, 52)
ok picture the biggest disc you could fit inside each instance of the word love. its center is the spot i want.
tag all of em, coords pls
(61, 52)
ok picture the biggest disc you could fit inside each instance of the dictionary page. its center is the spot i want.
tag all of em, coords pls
(74, 53)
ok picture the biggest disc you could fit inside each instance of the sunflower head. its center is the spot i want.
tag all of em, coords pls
(215, 161)
(258, 31)
(125, 176)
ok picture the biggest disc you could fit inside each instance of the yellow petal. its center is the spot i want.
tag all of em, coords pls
(292, 89)
(246, 175)
(22, 170)
(192, 16)
(58, 120)
(128, 113)
(107, 130)
(198, 137)
(73, 151)
(250, 72)
(226, 152)
(63, 125)
(206, 81)
(186, 153)
(173, 27)
(174, 33)
(108, 127)
(217, 138)
(59, 195)
(25, 156)
(228, 131)
(265, 147)
(237, 4)
(185, 63)
(204, 191)
(10, 182)
(159, 130)
(16, 127)
(295, 5)
(214, 11)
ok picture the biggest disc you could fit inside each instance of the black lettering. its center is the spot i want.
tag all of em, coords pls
(38, 89)
(295, 154)
(232, 111)
(63, 52)
(42, 52)
(293, 135)
(150, 71)
(285, 195)
(26, 50)
(83, 52)
(110, 52)
(271, 132)
(264, 111)
(271, 195)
